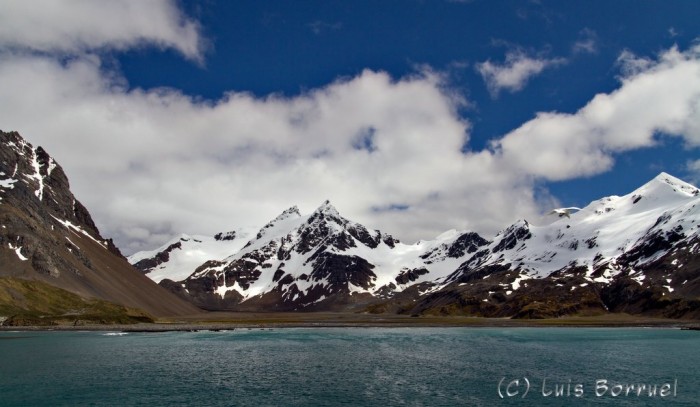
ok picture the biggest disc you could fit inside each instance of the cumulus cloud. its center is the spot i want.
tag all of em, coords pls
(515, 72)
(660, 96)
(75, 26)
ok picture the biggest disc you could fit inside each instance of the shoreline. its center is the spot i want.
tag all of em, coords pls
(227, 321)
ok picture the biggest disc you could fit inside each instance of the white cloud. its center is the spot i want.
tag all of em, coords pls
(631, 64)
(656, 96)
(515, 72)
(76, 26)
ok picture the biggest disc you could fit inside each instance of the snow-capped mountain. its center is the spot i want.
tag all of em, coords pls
(636, 253)
(46, 234)
(605, 237)
(296, 262)
(633, 253)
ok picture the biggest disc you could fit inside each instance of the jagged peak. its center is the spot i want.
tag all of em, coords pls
(327, 208)
(13, 137)
(329, 214)
(288, 213)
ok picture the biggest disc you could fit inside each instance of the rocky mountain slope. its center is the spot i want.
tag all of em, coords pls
(47, 235)
(636, 253)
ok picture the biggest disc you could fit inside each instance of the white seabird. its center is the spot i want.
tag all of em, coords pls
(564, 211)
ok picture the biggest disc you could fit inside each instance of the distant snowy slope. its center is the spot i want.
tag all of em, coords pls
(601, 232)
(179, 257)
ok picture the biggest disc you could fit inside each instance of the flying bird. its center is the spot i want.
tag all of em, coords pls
(564, 211)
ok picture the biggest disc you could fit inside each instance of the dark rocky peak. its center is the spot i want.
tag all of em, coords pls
(465, 243)
(327, 212)
(509, 238)
(468, 242)
(327, 221)
(327, 208)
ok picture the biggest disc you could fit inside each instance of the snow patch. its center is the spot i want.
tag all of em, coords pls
(37, 176)
(18, 251)
(639, 278)
(78, 230)
(515, 285)
(7, 183)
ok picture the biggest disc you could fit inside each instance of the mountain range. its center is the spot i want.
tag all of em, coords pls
(636, 253)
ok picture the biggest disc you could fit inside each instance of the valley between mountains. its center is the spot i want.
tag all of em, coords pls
(637, 253)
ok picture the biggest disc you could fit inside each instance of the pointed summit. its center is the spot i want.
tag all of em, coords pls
(665, 187)
(327, 209)
(676, 183)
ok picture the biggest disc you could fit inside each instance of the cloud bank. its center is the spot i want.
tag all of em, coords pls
(388, 152)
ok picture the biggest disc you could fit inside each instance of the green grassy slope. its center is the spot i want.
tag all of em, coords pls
(30, 302)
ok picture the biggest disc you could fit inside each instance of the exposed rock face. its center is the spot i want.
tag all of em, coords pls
(294, 262)
(638, 253)
(46, 234)
(146, 265)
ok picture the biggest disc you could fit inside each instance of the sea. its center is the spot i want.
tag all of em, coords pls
(353, 367)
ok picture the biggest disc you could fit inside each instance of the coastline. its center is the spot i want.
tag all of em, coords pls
(226, 321)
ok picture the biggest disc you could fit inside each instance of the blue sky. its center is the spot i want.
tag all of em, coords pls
(195, 113)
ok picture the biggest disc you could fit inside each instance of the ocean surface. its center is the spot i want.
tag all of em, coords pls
(353, 367)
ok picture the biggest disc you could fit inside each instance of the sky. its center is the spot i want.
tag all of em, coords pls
(412, 117)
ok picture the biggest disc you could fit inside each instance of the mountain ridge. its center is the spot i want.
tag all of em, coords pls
(324, 261)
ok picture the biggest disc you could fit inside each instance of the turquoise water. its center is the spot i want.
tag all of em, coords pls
(350, 366)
